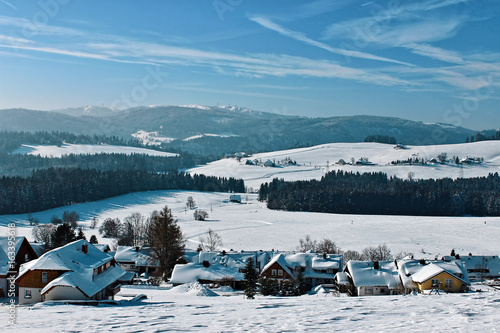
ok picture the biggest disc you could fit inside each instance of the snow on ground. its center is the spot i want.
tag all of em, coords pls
(313, 162)
(151, 138)
(199, 136)
(166, 311)
(67, 148)
(252, 226)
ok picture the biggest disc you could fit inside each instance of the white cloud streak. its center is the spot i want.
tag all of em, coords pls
(266, 23)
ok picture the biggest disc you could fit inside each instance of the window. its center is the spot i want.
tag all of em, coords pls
(26, 257)
(273, 272)
(132, 266)
(435, 282)
(45, 277)
(27, 293)
(382, 290)
(448, 283)
(280, 272)
(369, 291)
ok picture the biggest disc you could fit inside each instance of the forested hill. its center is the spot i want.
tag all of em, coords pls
(51, 188)
(377, 194)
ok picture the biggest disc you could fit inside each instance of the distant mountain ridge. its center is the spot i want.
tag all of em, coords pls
(251, 130)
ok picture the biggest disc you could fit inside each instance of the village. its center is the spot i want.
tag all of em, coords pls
(83, 272)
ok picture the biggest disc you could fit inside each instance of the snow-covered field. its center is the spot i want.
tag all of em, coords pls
(67, 149)
(313, 162)
(168, 310)
(251, 226)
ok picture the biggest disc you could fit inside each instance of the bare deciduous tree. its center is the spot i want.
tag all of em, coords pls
(307, 244)
(378, 253)
(190, 203)
(212, 241)
(327, 246)
(43, 233)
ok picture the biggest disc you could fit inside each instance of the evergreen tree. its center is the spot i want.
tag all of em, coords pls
(63, 235)
(166, 240)
(80, 235)
(250, 281)
(93, 240)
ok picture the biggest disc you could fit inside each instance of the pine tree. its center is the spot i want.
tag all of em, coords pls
(63, 235)
(93, 240)
(250, 281)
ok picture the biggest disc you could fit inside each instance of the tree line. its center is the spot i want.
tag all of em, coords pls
(483, 137)
(23, 165)
(377, 194)
(56, 187)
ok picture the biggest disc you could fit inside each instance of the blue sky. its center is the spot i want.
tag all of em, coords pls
(428, 60)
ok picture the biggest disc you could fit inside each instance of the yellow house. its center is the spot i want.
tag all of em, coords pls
(448, 276)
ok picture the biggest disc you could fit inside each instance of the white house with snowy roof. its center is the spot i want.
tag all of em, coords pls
(316, 268)
(373, 278)
(76, 271)
(487, 267)
(219, 267)
(137, 260)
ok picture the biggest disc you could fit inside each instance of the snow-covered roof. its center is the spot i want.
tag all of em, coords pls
(365, 275)
(139, 256)
(191, 272)
(406, 268)
(323, 264)
(471, 263)
(311, 262)
(429, 271)
(78, 265)
(280, 259)
(4, 243)
(231, 258)
(342, 278)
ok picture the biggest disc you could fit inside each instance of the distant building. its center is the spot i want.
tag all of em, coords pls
(235, 198)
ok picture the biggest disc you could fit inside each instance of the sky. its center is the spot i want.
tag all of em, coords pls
(427, 60)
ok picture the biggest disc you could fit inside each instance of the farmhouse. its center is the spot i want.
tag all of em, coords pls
(14, 251)
(137, 260)
(76, 271)
(316, 268)
(447, 276)
(479, 267)
(373, 278)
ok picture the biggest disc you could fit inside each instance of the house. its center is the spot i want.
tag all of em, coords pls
(249, 162)
(486, 267)
(406, 268)
(269, 163)
(370, 278)
(76, 271)
(137, 260)
(342, 162)
(14, 251)
(317, 269)
(217, 267)
(235, 198)
(447, 276)
(363, 161)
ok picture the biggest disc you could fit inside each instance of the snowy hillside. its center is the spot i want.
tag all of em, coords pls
(66, 149)
(313, 162)
(252, 226)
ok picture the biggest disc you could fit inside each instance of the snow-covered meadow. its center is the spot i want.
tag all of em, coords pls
(313, 162)
(181, 310)
(252, 226)
(77, 149)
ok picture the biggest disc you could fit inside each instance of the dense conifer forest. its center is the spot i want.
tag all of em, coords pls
(377, 194)
(56, 187)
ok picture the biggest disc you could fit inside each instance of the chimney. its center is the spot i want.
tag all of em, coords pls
(376, 265)
(85, 248)
(136, 249)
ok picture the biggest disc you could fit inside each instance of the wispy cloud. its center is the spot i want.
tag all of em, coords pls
(429, 51)
(266, 23)
(8, 4)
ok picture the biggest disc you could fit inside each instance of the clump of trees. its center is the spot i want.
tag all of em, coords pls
(56, 187)
(377, 194)
(200, 215)
(381, 139)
